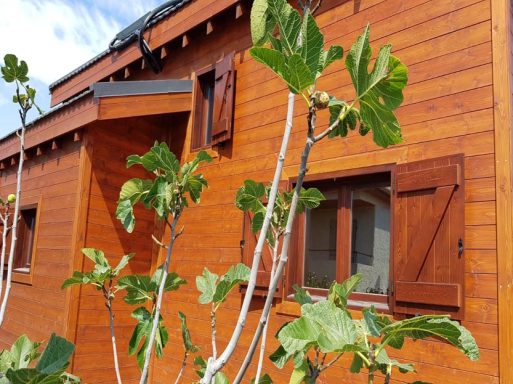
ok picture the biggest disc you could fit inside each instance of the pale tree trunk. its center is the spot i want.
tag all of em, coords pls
(113, 338)
(215, 365)
(5, 299)
(264, 335)
(5, 223)
(286, 239)
(158, 305)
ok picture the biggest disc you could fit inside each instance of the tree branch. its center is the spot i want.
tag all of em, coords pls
(288, 230)
(214, 365)
(158, 305)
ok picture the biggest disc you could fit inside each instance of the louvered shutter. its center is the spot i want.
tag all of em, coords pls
(428, 237)
(223, 100)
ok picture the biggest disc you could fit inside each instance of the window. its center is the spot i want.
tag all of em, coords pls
(24, 246)
(23, 254)
(213, 104)
(204, 109)
(348, 233)
(400, 226)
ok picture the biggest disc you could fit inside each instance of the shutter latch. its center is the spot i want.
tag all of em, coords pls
(460, 247)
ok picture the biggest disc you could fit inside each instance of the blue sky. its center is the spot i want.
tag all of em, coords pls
(56, 36)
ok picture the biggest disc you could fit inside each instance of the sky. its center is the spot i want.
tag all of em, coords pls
(56, 36)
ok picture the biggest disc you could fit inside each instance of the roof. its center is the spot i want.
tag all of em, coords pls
(126, 36)
(50, 112)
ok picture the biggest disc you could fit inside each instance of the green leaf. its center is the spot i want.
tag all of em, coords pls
(298, 76)
(265, 379)
(339, 293)
(33, 376)
(77, 278)
(257, 222)
(309, 198)
(143, 331)
(299, 334)
(302, 296)
(384, 361)
(312, 43)
(162, 158)
(299, 373)
(96, 256)
(431, 326)
(139, 288)
(378, 92)
(339, 109)
(236, 274)
(173, 281)
(261, 22)
(12, 71)
(335, 52)
(249, 197)
(280, 357)
(356, 364)
(206, 284)
(288, 21)
(122, 263)
(338, 333)
(55, 356)
(158, 197)
(23, 352)
(202, 364)
(273, 59)
(186, 336)
(369, 317)
(221, 378)
(125, 213)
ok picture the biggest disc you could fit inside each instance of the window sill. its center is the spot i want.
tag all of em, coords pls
(291, 308)
(22, 276)
(208, 149)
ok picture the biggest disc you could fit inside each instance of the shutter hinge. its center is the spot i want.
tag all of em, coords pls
(460, 247)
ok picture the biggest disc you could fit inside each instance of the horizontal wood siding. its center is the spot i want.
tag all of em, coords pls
(112, 142)
(40, 308)
(448, 109)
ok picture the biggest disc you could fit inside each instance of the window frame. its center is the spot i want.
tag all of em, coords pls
(199, 130)
(343, 181)
(23, 277)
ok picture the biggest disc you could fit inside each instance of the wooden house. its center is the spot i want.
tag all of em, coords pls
(444, 195)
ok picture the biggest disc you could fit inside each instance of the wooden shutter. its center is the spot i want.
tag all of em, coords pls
(223, 100)
(428, 262)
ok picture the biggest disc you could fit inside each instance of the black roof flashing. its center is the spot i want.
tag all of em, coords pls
(124, 38)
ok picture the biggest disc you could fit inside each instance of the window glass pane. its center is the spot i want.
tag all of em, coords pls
(370, 238)
(321, 243)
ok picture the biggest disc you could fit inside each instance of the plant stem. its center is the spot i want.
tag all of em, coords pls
(5, 231)
(214, 331)
(214, 365)
(264, 335)
(23, 115)
(288, 231)
(372, 362)
(324, 367)
(108, 303)
(182, 368)
(165, 272)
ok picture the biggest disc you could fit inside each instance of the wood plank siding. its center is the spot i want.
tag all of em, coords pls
(111, 143)
(450, 107)
(51, 181)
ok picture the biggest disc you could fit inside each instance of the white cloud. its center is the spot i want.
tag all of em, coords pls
(56, 36)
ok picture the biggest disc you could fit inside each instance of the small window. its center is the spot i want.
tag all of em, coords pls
(203, 109)
(25, 233)
(348, 233)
